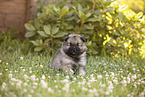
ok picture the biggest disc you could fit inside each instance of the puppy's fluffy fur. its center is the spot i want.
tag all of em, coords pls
(71, 55)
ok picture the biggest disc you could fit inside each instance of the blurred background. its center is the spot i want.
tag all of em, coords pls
(14, 13)
(111, 27)
(135, 5)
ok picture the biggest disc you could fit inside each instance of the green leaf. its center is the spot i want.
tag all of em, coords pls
(88, 26)
(89, 43)
(29, 27)
(55, 30)
(70, 18)
(102, 1)
(108, 10)
(55, 9)
(134, 36)
(75, 11)
(88, 15)
(49, 11)
(69, 27)
(58, 10)
(46, 42)
(42, 33)
(66, 7)
(83, 16)
(37, 24)
(122, 8)
(58, 42)
(35, 43)
(29, 34)
(116, 33)
(64, 12)
(97, 12)
(37, 49)
(60, 34)
(80, 9)
(47, 29)
(40, 41)
(111, 42)
(122, 32)
(93, 19)
(139, 15)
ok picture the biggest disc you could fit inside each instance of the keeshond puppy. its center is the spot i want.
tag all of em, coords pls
(71, 57)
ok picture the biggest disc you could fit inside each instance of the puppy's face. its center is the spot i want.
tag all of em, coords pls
(74, 45)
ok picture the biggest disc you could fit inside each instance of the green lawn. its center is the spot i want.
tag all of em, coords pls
(30, 76)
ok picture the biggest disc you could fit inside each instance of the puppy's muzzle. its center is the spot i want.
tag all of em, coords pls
(74, 50)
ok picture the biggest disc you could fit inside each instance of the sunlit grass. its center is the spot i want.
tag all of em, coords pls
(30, 76)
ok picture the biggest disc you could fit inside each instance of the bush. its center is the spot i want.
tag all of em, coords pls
(109, 28)
(10, 41)
(135, 5)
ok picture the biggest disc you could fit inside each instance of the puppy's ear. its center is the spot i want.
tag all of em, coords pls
(83, 39)
(66, 38)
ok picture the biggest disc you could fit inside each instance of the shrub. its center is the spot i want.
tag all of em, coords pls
(109, 28)
(10, 41)
(135, 5)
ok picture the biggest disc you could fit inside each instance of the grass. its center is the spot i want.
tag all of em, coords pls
(30, 76)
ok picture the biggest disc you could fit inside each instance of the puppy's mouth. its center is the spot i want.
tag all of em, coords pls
(73, 51)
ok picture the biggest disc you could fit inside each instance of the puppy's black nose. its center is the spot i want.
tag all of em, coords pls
(74, 49)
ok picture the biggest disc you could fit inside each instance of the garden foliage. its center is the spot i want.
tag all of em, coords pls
(9, 40)
(108, 27)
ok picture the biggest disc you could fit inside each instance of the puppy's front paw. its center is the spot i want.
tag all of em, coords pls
(69, 72)
(82, 71)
